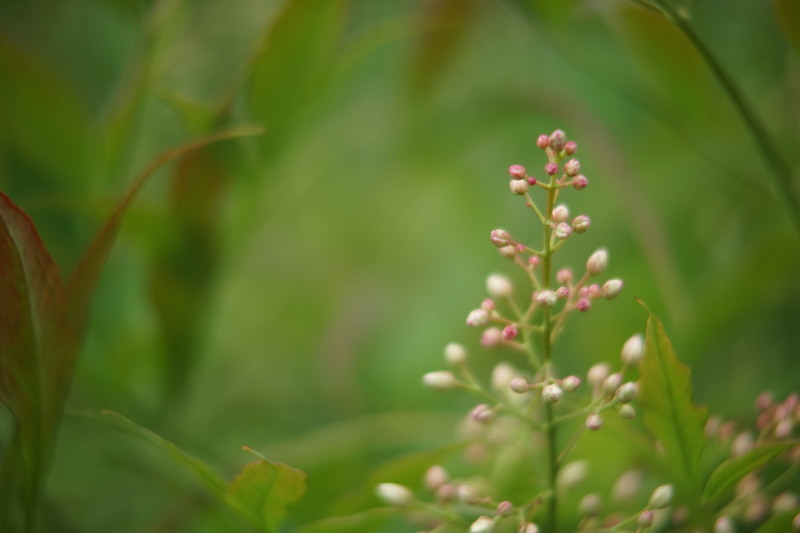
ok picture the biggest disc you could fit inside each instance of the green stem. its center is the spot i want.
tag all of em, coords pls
(781, 171)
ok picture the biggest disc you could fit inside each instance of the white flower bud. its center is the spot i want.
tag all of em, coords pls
(483, 524)
(570, 383)
(783, 502)
(455, 353)
(530, 527)
(626, 411)
(435, 477)
(440, 380)
(518, 186)
(394, 494)
(597, 262)
(594, 422)
(627, 486)
(560, 214)
(546, 298)
(500, 238)
(519, 385)
(502, 374)
(626, 392)
(563, 230)
(477, 318)
(612, 382)
(633, 350)
(552, 393)
(742, 444)
(598, 373)
(572, 473)
(498, 286)
(724, 524)
(590, 505)
(661, 497)
(468, 494)
(612, 288)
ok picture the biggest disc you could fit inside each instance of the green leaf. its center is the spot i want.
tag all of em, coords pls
(787, 15)
(780, 523)
(369, 521)
(262, 491)
(665, 395)
(730, 472)
(37, 349)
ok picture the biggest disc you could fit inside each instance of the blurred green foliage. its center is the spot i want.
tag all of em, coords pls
(287, 292)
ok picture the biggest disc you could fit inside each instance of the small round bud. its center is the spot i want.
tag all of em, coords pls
(598, 373)
(546, 298)
(570, 148)
(550, 169)
(504, 508)
(477, 318)
(661, 497)
(560, 213)
(557, 141)
(581, 223)
(509, 251)
(626, 392)
(510, 332)
(502, 374)
(530, 527)
(455, 353)
(440, 380)
(796, 523)
(593, 290)
(519, 385)
(468, 494)
(724, 524)
(563, 230)
(552, 393)
(562, 293)
(435, 477)
(570, 383)
(518, 186)
(594, 422)
(517, 172)
(645, 518)
(572, 167)
(612, 382)
(579, 182)
(533, 261)
(572, 473)
(597, 262)
(446, 493)
(531, 181)
(498, 286)
(564, 276)
(743, 443)
(633, 350)
(627, 486)
(764, 401)
(626, 411)
(583, 305)
(483, 524)
(394, 494)
(491, 337)
(543, 141)
(612, 288)
(488, 305)
(500, 238)
(783, 502)
(590, 505)
(482, 413)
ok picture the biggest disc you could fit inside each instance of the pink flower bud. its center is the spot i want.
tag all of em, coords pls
(488, 305)
(570, 383)
(500, 238)
(593, 290)
(550, 169)
(572, 167)
(546, 298)
(477, 318)
(543, 141)
(491, 337)
(552, 393)
(562, 293)
(594, 422)
(482, 413)
(517, 172)
(435, 477)
(583, 305)
(645, 518)
(597, 262)
(590, 505)
(564, 276)
(531, 181)
(557, 141)
(519, 385)
(579, 182)
(533, 261)
(581, 223)
(570, 148)
(563, 230)
(518, 186)
(612, 288)
(510, 332)
(560, 213)
(504, 508)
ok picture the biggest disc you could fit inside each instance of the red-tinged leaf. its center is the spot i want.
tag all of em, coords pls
(36, 351)
(82, 282)
(665, 395)
(262, 491)
(726, 475)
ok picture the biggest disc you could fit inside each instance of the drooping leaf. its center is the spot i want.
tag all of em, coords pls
(730, 472)
(37, 350)
(83, 280)
(665, 395)
(262, 491)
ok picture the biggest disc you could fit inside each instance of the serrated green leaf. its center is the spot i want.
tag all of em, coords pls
(665, 396)
(726, 475)
(262, 491)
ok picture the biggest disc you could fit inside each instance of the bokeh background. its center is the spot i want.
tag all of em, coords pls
(286, 292)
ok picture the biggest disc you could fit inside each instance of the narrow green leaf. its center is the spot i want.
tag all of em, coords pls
(205, 473)
(665, 395)
(262, 491)
(730, 472)
(83, 280)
